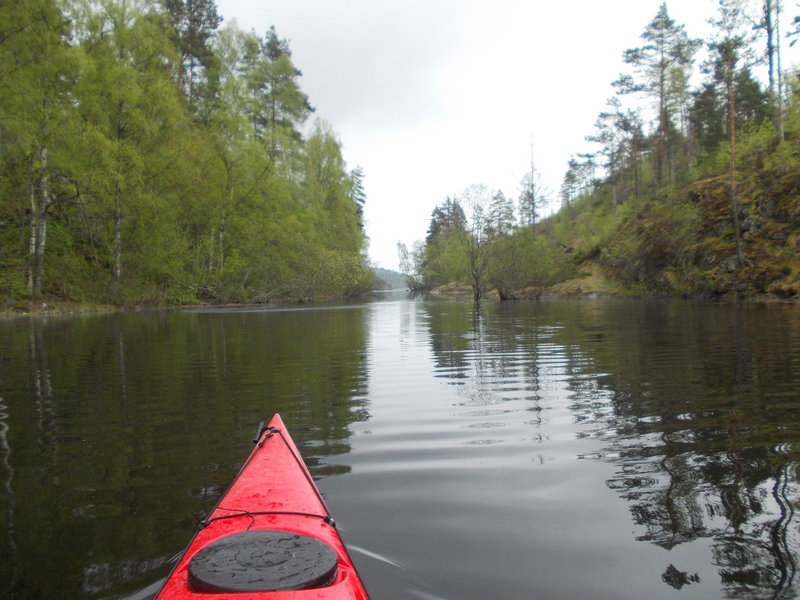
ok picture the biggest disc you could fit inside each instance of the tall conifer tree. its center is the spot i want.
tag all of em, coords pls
(194, 24)
(727, 50)
(667, 51)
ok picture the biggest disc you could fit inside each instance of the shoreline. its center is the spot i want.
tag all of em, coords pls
(557, 292)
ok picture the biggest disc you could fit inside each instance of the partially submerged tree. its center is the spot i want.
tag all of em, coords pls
(477, 238)
(410, 262)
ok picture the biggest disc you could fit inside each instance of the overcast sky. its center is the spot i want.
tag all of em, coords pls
(431, 96)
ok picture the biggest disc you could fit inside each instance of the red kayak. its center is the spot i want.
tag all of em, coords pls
(270, 537)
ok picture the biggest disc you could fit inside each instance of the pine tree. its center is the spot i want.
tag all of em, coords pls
(666, 52)
(277, 105)
(194, 23)
(707, 118)
(570, 185)
(500, 219)
(445, 218)
(769, 22)
(532, 197)
(727, 50)
(619, 133)
(441, 259)
(358, 194)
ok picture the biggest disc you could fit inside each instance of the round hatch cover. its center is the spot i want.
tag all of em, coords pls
(262, 561)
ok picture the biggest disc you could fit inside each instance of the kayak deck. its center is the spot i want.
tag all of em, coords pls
(271, 518)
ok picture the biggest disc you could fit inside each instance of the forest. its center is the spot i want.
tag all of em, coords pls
(151, 156)
(692, 186)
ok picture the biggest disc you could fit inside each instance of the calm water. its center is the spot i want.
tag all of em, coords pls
(581, 449)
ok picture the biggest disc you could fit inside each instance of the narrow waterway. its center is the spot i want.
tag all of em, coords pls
(569, 449)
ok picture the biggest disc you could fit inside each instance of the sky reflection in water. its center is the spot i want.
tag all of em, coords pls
(604, 449)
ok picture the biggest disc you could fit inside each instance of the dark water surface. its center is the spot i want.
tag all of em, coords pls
(578, 449)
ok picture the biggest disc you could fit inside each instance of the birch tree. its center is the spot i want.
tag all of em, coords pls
(129, 109)
(477, 238)
(37, 118)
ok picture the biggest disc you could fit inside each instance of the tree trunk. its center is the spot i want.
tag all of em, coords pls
(769, 27)
(41, 239)
(772, 28)
(221, 248)
(781, 124)
(190, 91)
(33, 228)
(210, 262)
(476, 293)
(40, 197)
(661, 157)
(116, 269)
(635, 160)
(737, 229)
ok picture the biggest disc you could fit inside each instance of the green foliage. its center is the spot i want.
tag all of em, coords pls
(654, 246)
(12, 281)
(525, 263)
(506, 273)
(388, 279)
(193, 23)
(543, 262)
(445, 260)
(165, 161)
(659, 67)
(485, 250)
(707, 202)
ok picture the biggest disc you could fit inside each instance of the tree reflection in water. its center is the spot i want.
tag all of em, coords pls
(712, 452)
(696, 404)
(108, 424)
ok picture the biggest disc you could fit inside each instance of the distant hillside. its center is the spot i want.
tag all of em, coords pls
(392, 279)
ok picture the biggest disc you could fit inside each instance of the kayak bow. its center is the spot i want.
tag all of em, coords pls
(270, 537)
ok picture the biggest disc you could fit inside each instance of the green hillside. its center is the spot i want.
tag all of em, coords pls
(689, 190)
(390, 280)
